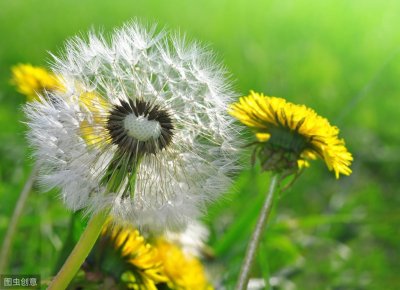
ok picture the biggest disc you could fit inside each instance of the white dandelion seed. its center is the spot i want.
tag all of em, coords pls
(140, 128)
(192, 240)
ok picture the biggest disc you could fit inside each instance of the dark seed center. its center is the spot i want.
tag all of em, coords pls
(138, 127)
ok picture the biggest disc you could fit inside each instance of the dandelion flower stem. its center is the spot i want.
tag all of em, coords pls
(80, 252)
(5, 249)
(256, 236)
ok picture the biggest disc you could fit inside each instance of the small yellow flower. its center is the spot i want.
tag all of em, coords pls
(31, 80)
(185, 272)
(140, 265)
(122, 257)
(93, 130)
(288, 135)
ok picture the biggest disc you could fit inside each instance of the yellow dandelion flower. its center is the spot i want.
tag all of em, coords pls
(185, 272)
(288, 134)
(92, 129)
(131, 259)
(31, 80)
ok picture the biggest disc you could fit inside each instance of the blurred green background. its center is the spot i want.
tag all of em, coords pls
(339, 57)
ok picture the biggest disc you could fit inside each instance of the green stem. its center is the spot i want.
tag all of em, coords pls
(256, 236)
(80, 252)
(6, 246)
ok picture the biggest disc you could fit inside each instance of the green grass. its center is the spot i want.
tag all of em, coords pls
(339, 57)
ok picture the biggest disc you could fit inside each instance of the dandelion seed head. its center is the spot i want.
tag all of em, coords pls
(140, 128)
